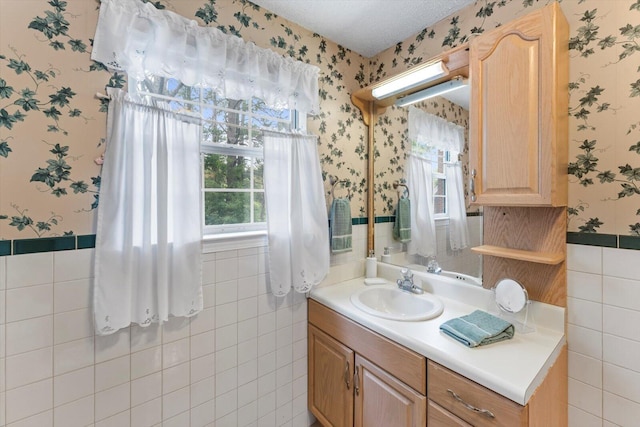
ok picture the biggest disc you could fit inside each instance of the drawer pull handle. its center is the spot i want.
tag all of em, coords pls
(346, 375)
(486, 412)
(356, 382)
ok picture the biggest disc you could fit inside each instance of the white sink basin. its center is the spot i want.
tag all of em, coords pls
(394, 304)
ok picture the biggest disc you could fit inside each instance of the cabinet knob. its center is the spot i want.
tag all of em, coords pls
(470, 407)
(472, 185)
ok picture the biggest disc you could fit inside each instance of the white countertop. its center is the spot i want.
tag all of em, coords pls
(512, 368)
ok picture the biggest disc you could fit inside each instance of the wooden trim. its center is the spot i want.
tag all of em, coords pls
(404, 364)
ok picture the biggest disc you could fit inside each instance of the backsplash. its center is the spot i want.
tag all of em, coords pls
(603, 334)
(242, 361)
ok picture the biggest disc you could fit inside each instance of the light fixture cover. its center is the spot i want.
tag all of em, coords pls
(411, 80)
(430, 92)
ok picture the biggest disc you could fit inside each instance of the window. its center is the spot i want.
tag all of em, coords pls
(232, 157)
(438, 159)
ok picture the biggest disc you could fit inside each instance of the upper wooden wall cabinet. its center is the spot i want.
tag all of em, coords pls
(519, 120)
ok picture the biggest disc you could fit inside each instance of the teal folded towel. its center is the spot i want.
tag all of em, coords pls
(402, 224)
(340, 229)
(478, 328)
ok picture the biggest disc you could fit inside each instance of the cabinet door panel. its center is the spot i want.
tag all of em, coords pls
(437, 416)
(383, 401)
(330, 380)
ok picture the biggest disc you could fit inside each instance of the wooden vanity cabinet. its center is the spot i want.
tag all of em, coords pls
(359, 378)
(519, 121)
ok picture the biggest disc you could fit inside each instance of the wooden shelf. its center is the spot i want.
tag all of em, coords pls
(550, 258)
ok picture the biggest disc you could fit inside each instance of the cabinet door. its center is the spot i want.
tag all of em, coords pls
(330, 380)
(519, 118)
(383, 401)
(437, 416)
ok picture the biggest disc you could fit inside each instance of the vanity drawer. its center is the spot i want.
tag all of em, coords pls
(437, 416)
(459, 395)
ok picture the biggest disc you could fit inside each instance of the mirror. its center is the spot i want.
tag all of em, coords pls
(389, 144)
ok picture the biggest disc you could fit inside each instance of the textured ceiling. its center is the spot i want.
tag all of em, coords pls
(365, 26)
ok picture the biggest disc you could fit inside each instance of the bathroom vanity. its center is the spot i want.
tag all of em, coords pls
(369, 371)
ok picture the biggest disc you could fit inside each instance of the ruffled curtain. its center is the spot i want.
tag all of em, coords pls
(137, 38)
(148, 240)
(429, 131)
(296, 213)
(423, 227)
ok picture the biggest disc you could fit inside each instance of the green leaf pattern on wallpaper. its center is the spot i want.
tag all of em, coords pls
(47, 107)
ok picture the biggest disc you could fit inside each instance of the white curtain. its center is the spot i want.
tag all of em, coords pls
(137, 38)
(423, 228)
(458, 230)
(427, 130)
(296, 213)
(148, 243)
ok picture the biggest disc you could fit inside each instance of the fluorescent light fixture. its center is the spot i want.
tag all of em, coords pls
(430, 92)
(410, 80)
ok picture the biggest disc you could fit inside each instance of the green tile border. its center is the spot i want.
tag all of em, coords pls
(5, 247)
(629, 242)
(44, 244)
(86, 241)
(593, 239)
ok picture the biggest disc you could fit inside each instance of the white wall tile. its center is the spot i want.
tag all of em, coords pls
(179, 420)
(585, 341)
(73, 355)
(621, 352)
(112, 373)
(621, 381)
(621, 322)
(146, 388)
(176, 328)
(621, 411)
(248, 266)
(203, 367)
(226, 292)
(29, 302)
(21, 271)
(585, 286)
(73, 265)
(622, 292)
(247, 308)
(587, 259)
(225, 404)
(121, 419)
(112, 346)
(226, 269)
(73, 385)
(43, 419)
(148, 414)
(584, 313)
(247, 329)
(29, 400)
(203, 415)
(247, 372)
(146, 362)
(580, 418)
(30, 367)
(145, 338)
(3, 272)
(202, 344)
(585, 397)
(175, 403)
(226, 381)
(175, 378)
(203, 391)
(27, 335)
(586, 369)
(72, 325)
(203, 321)
(3, 304)
(72, 295)
(175, 353)
(75, 414)
(226, 314)
(621, 263)
(247, 287)
(247, 393)
(112, 401)
(226, 336)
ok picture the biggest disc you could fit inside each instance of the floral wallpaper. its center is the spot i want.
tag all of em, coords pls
(52, 126)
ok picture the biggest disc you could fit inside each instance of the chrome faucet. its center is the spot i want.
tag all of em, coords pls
(433, 266)
(406, 282)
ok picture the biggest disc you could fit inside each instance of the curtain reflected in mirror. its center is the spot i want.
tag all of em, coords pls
(443, 225)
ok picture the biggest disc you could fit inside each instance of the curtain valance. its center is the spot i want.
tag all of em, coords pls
(137, 38)
(427, 130)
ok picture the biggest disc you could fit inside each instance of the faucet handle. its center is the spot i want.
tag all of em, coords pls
(406, 273)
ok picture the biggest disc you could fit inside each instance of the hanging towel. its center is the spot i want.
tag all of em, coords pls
(340, 218)
(402, 224)
(478, 328)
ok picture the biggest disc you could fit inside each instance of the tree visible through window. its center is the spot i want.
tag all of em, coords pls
(232, 151)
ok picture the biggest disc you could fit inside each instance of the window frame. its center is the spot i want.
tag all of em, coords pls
(228, 236)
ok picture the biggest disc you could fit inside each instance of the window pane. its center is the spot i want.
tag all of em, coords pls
(258, 174)
(439, 188)
(259, 208)
(233, 172)
(227, 208)
(439, 205)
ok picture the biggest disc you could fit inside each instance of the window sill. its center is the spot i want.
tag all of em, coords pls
(233, 241)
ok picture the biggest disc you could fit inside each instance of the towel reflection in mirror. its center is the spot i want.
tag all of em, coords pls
(428, 134)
